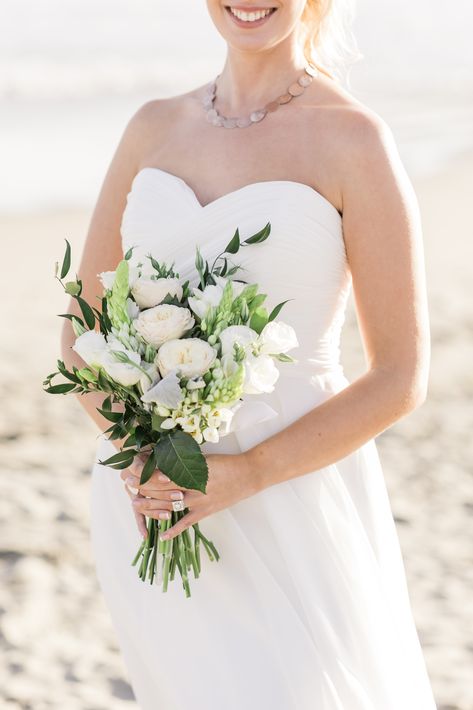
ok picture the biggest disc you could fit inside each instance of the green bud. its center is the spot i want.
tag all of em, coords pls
(72, 288)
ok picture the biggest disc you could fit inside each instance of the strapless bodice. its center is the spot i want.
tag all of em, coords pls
(303, 260)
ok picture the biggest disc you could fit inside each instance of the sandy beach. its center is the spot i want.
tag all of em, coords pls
(58, 646)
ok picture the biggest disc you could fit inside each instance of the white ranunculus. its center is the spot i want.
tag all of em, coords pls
(261, 374)
(241, 334)
(149, 292)
(201, 302)
(167, 393)
(191, 356)
(91, 346)
(163, 322)
(277, 337)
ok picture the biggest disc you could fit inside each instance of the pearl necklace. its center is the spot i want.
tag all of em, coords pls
(216, 119)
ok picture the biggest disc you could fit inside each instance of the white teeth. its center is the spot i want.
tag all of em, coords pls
(250, 16)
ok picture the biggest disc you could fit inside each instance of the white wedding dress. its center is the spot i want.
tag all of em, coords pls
(307, 608)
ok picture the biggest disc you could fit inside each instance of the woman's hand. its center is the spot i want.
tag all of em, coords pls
(229, 481)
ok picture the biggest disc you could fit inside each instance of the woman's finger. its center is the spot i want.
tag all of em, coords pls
(139, 517)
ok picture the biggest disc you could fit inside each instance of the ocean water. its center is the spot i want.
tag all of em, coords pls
(73, 72)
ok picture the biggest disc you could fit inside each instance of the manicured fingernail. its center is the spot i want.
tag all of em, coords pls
(165, 516)
(177, 495)
(163, 536)
(164, 478)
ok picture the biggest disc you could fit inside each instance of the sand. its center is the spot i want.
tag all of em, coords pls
(58, 645)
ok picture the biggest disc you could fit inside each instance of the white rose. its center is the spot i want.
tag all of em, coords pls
(91, 346)
(149, 292)
(241, 334)
(276, 338)
(164, 322)
(202, 301)
(191, 356)
(260, 374)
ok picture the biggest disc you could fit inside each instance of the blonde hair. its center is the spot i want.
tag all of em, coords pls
(327, 36)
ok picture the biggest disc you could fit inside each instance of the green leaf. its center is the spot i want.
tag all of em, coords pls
(257, 301)
(148, 468)
(71, 316)
(277, 309)
(259, 319)
(107, 404)
(156, 421)
(87, 312)
(129, 253)
(259, 236)
(179, 456)
(61, 389)
(111, 416)
(119, 457)
(282, 357)
(66, 264)
(234, 244)
(123, 464)
(87, 375)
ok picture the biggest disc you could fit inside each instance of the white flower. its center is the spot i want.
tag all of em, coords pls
(145, 382)
(97, 352)
(210, 434)
(241, 334)
(276, 338)
(167, 393)
(123, 372)
(90, 346)
(202, 301)
(191, 356)
(260, 374)
(164, 322)
(107, 278)
(132, 309)
(149, 292)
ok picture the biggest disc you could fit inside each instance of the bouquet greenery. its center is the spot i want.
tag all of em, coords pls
(179, 358)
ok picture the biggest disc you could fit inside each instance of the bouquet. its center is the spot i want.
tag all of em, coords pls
(180, 357)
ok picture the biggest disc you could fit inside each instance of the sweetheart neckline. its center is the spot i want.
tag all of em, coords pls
(227, 195)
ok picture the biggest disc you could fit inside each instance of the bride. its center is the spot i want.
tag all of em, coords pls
(307, 608)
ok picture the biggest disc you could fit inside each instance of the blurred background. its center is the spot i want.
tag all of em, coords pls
(71, 75)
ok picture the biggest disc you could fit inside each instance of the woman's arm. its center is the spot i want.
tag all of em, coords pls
(102, 249)
(383, 238)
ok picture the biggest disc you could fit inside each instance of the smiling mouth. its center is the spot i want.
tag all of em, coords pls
(250, 18)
